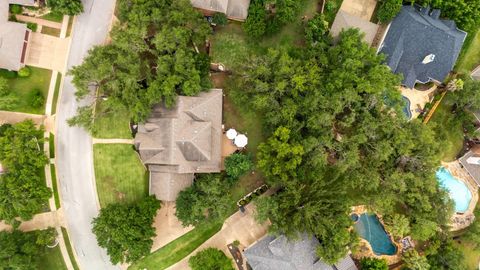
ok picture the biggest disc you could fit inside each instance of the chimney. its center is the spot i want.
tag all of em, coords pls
(436, 14)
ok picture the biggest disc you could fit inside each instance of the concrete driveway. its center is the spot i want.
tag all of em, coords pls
(360, 8)
(47, 52)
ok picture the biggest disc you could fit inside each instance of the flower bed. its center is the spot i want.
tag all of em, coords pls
(250, 196)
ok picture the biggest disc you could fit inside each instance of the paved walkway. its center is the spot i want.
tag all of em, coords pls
(239, 226)
(39, 222)
(39, 21)
(47, 52)
(167, 226)
(361, 8)
(112, 141)
(16, 117)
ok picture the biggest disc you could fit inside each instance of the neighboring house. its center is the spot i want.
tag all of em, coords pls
(421, 46)
(234, 9)
(471, 162)
(476, 74)
(345, 20)
(175, 143)
(14, 37)
(279, 253)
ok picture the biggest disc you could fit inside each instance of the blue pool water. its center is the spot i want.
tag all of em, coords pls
(370, 229)
(458, 190)
(406, 108)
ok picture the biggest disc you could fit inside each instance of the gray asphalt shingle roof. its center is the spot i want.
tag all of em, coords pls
(472, 169)
(279, 253)
(416, 33)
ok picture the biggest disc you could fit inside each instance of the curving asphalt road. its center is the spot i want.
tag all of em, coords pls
(74, 146)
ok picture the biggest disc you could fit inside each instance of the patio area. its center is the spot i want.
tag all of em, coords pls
(417, 98)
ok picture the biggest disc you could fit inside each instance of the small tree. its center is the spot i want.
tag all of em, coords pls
(125, 230)
(35, 98)
(317, 30)
(413, 261)
(398, 225)
(373, 264)
(210, 259)
(220, 19)
(255, 25)
(25, 71)
(67, 7)
(237, 165)
(388, 10)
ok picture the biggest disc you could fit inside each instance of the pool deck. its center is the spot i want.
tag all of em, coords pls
(417, 98)
(365, 249)
(462, 220)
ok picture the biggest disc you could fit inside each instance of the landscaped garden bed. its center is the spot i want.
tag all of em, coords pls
(250, 196)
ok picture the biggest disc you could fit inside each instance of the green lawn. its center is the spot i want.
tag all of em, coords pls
(22, 87)
(51, 145)
(52, 16)
(178, 249)
(229, 46)
(56, 196)
(52, 260)
(51, 31)
(119, 174)
(69, 249)
(111, 124)
(470, 55)
(56, 93)
(472, 256)
(450, 131)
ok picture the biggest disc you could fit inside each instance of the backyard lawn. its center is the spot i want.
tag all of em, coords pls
(112, 125)
(119, 173)
(22, 88)
(472, 256)
(470, 57)
(52, 259)
(178, 249)
(449, 130)
(53, 16)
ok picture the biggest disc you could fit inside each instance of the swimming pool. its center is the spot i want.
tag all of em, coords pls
(406, 108)
(457, 189)
(370, 229)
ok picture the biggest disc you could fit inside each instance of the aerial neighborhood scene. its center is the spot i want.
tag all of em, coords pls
(239, 134)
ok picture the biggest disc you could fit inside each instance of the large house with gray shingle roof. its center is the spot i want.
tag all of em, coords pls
(14, 37)
(421, 46)
(279, 253)
(175, 143)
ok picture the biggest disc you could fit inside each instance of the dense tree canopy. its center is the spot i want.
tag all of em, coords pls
(339, 138)
(211, 259)
(151, 58)
(373, 264)
(126, 230)
(67, 7)
(237, 165)
(21, 251)
(207, 199)
(466, 13)
(388, 10)
(23, 192)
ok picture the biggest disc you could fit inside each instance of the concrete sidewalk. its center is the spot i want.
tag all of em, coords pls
(39, 21)
(112, 141)
(39, 222)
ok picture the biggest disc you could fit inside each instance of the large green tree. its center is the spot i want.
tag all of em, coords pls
(126, 230)
(210, 259)
(23, 192)
(152, 58)
(67, 7)
(373, 264)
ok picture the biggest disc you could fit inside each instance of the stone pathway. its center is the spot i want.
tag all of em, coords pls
(112, 141)
(239, 226)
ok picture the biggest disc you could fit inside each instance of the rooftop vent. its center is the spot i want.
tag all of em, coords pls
(435, 14)
(428, 59)
(425, 10)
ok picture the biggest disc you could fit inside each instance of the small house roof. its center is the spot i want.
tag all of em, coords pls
(416, 33)
(234, 9)
(472, 169)
(344, 20)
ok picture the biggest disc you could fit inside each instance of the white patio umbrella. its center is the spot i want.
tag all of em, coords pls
(241, 140)
(232, 133)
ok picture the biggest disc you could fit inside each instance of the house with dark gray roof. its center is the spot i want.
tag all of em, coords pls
(471, 163)
(234, 9)
(421, 46)
(14, 37)
(175, 143)
(279, 253)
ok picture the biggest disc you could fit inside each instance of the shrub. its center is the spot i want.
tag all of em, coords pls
(388, 10)
(15, 9)
(35, 98)
(219, 19)
(237, 165)
(330, 6)
(210, 258)
(7, 74)
(24, 72)
(32, 26)
(373, 264)
(255, 25)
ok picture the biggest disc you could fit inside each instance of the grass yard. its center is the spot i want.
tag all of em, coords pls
(69, 249)
(472, 256)
(52, 259)
(112, 124)
(229, 46)
(23, 87)
(56, 93)
(51, 31)
(53, 16)
(56, 196)
(449, 130)
(119, 174)
(178, 249)
(51, 145)
(469, 58)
